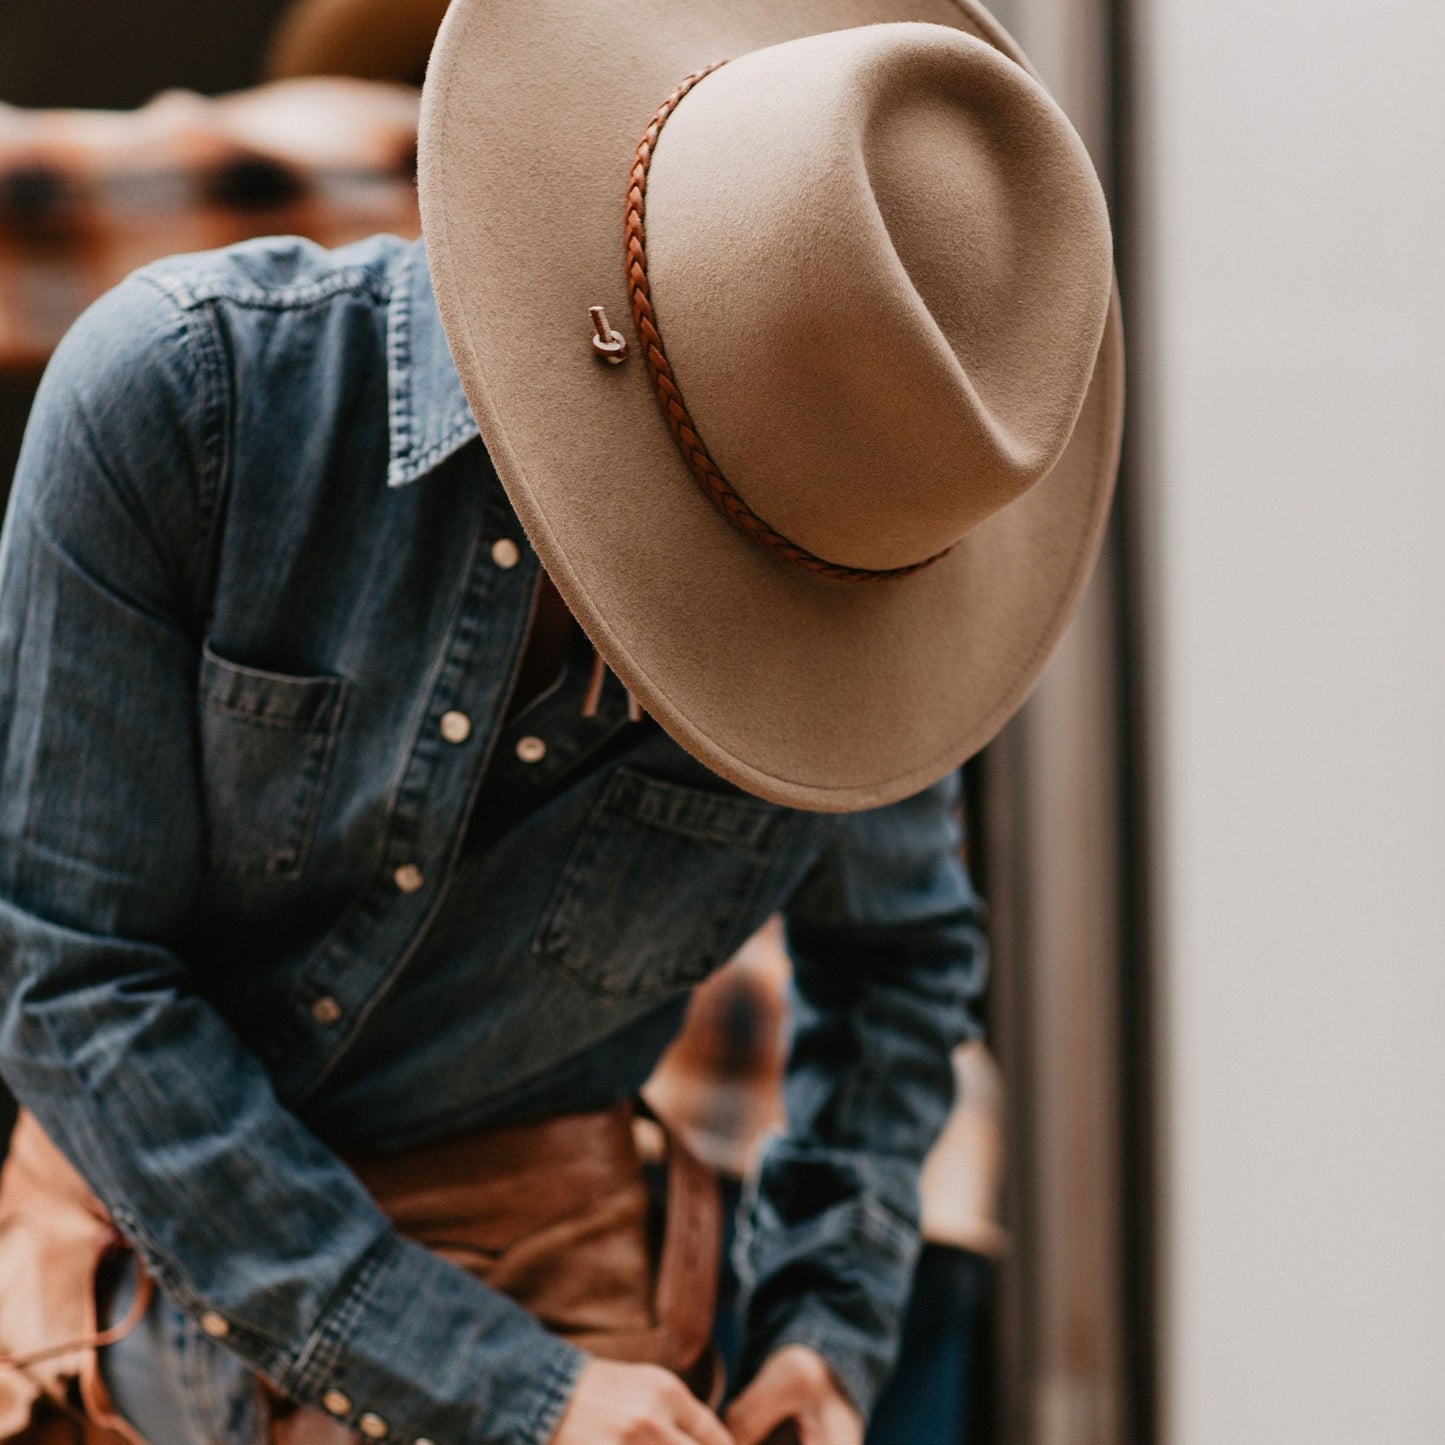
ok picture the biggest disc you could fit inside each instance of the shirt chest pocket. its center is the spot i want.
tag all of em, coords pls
(266, 744)
(664, 883)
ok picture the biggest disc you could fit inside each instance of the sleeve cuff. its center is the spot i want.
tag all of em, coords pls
(815, 1328)
(836, 1280)
(415, 1349)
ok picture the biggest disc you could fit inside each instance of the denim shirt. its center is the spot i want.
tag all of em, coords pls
(257, 636)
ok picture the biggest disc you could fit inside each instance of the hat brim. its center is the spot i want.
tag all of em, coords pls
(814, 693)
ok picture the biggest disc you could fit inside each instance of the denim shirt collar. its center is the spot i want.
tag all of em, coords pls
(428, 415)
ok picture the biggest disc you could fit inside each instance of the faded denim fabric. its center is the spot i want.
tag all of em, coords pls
(258, 904)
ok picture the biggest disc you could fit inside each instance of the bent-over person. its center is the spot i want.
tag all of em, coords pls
(421, 665)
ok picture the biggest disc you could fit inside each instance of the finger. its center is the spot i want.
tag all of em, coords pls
(675, 1437)
(758, 1411)
(700, 1423)
(671, 1435)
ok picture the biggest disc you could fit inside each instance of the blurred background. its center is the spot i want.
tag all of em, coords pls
(1195, 1194)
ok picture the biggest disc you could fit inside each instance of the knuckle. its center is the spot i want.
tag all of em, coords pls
(811, 1369)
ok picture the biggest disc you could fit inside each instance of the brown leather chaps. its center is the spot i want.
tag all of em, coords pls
(554, 1214)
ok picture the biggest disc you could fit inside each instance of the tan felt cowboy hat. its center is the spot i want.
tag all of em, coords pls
(368, 39)
(832, 511)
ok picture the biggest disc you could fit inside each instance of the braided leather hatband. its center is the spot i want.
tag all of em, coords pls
(715, 486)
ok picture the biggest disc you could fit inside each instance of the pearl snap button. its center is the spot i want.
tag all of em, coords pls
(531, 750)
(326, 1011)
(336, 1402)
(217, 1326)
(372, 1426)
(408, 878)
(456, 727)
(505, 553)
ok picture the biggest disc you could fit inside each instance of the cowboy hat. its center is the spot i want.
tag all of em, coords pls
(830, 513)
(367, 39)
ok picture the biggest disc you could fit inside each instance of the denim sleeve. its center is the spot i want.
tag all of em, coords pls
(888, 961)
(235, 1207)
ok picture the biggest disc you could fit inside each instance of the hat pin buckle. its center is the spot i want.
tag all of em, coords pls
(610, 345)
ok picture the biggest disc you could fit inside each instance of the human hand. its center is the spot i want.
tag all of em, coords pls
(621, 1404)
(794, 1387)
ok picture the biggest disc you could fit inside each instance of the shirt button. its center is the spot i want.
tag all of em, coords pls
(408, 878)
(531, 750)
(326, 1010)
(372, 1426)
(336, 1402)
(217, 1326)
(505, 553)
(456, 727)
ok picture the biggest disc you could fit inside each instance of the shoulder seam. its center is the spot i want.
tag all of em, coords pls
(189, 296)
(215, 452)
(206, 354)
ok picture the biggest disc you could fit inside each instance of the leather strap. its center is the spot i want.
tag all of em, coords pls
(134, 1315)
(706, 472)
(687, 1269)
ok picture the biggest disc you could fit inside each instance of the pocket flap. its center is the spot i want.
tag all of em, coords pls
(270, 699)
(711, 817)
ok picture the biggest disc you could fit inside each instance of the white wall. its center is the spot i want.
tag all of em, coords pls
(1291, 381)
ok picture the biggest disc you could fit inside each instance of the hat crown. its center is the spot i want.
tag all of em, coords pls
(880, 260)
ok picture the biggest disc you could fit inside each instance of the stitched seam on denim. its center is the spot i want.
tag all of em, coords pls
(478, 582)
(156, 1264)
(555, 1393)
(319, 1356)
(462, 430)
(202, 331)
(691, 812)
(402, 465)
(398, 360)
(329, 720)
(190, 295)
(201, 349)
(810, 1327)
(261, 1352)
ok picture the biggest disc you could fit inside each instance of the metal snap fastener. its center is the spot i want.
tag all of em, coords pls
(326, 1011)
(408, 878)
(505, 553)
(336, 1402)
(456, 727)
(531, 750)
(217, 1326)
(372, 1426)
